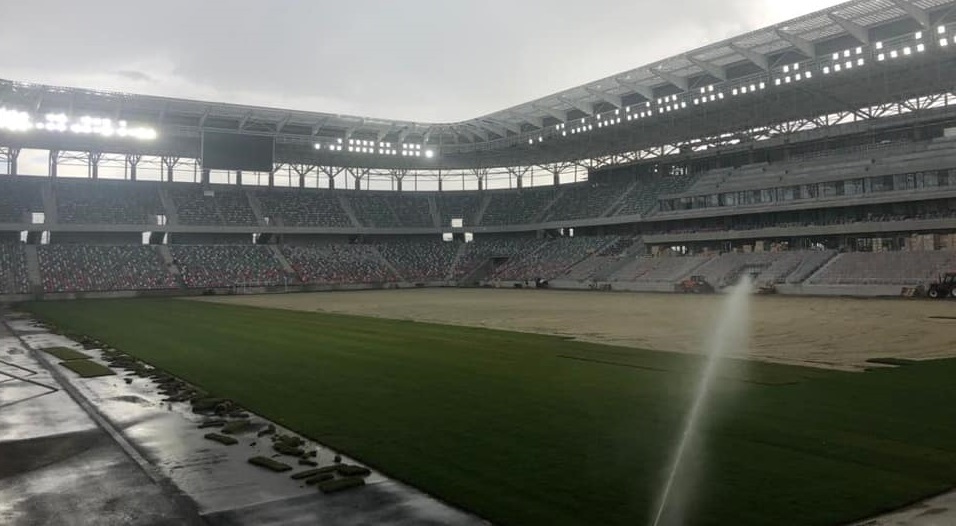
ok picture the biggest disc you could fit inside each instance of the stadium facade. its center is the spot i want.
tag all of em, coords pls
(833, 132)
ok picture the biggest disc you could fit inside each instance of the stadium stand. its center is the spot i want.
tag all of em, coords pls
(84, 268)
(373, 210)
(107, 202)
(884, 268)
(338, 264)
(420, 261)
(586, 200)
(212, 207)
(460, 205)
(13, 270)
(481, 250)
(643, 199)
(303, 208)
(659, 269)
(208, 266)
(765, 267)
(517, 207)
(597, 267)
(18, 199)
(552, 259)
(411, 210)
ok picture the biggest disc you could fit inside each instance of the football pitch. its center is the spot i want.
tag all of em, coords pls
(534, 429)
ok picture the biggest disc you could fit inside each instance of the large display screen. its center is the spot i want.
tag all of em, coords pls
(232, 151)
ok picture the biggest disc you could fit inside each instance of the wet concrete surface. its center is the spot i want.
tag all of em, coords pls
(166, 441)
(56, 465)
(937, 511)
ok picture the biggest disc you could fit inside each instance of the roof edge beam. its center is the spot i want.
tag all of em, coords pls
(560, 115)
(644, 91)
(915, 12)
(759, 59)
(514, 128)
(537, 122)
(586, 107)
(680, 82)
(614, 100)
(714, 70)
(856, 30)
(803, 45)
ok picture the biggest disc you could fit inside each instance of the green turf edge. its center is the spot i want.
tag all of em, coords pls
(87, 368)
(65, 353)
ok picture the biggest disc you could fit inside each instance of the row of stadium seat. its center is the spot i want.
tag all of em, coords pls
(77, 268)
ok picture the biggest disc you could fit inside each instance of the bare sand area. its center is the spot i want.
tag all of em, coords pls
(822, 332)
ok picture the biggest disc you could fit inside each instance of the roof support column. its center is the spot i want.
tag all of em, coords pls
(518, 174)
(170, 163)
(398, 176)
(302, 170)
(481, 174)
(358, 174)
(10, 155)
(331, 172)
(93, 164)
(54, 159)
(131, 162)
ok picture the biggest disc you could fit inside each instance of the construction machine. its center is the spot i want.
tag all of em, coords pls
(695, 285)
(944, 287)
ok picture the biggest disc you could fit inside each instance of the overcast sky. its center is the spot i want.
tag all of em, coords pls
(424, 60)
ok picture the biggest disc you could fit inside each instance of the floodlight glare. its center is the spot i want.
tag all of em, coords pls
(429, 154)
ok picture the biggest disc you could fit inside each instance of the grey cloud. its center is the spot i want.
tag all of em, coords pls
(414, 59)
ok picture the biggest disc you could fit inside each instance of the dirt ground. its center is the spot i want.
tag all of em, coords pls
(821, 332)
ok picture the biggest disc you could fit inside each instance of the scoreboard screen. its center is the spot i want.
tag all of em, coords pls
(232, 151)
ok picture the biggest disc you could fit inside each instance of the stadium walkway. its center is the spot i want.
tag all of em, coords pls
(99, 451)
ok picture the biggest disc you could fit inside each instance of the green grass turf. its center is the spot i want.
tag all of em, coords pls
(87, 368)
(526, 429)
(65, 353)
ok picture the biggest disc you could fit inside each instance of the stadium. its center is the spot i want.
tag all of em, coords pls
(496, 320)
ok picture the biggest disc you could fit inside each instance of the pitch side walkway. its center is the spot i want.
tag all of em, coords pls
(115, 453)
(57, 466)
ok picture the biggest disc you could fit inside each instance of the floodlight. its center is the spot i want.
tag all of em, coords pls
(799, 77)
(894, 54)
(920, 48)
(809, 74)
(776, 82)
(762, 86)
(753, 88)
(540, 139)
(919, 35)
(879, 45)
(710, 88)
(530, 141)
(943, 42)
(860, 62)
(720, 96)
(787, 79)
(429, 154)
(786, 69)
(826, 70)
(846, 54)
(859, 50)
(837, 67)
(316, 146)
(881, 57)
(703, 90)
(836, 56)
(683, 104)
(849, 64)
(941, 30)
(796, 67)
(907, 51)
(713, 98)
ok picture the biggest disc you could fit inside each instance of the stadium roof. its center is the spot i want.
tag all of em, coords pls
(859, 22)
